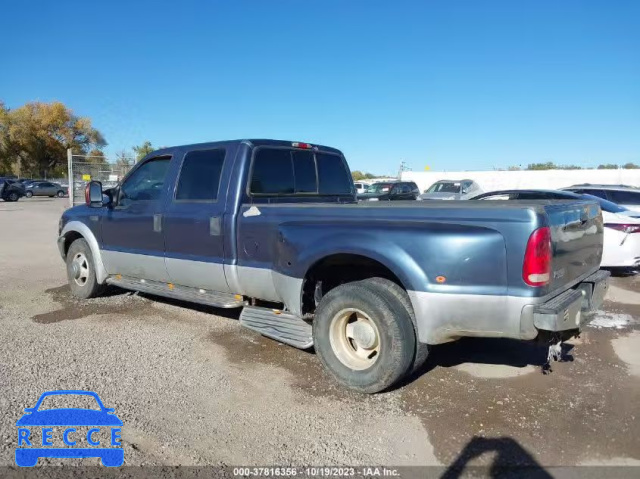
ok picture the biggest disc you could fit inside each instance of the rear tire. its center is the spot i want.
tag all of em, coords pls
(60, 194)
(81, 272)
(29, 194)
(422, 349)
(13, 197)
(364, 337)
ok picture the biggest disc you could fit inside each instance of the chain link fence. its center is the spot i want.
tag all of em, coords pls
(83, 168)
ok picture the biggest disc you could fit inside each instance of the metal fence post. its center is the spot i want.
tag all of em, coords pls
(70, 176)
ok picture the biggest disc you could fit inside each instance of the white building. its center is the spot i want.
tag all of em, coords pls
(506, 180)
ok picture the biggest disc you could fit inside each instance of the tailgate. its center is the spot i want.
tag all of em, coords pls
(576, 236)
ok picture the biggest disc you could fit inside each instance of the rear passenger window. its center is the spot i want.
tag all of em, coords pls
(200, 175)
(333, 177)
(625, 197)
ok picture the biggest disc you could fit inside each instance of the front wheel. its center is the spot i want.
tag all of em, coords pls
(29, 194)
(81, 272)
(364, 338)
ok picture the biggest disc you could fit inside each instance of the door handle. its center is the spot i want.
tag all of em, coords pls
(157, 223)
(215, 226)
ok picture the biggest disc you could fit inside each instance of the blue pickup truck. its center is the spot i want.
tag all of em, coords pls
(274, 227)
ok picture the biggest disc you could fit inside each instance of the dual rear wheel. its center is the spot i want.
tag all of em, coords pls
(364, 334)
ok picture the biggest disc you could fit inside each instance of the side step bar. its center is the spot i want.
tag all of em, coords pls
(185, 293)
(279, 325)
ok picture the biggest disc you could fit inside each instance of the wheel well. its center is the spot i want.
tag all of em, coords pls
(69, 238)
(338, 269)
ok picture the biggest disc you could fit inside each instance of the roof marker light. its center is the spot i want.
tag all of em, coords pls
(304, 146)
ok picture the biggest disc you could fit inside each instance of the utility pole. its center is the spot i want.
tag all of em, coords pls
(70, 176)
(403, 167)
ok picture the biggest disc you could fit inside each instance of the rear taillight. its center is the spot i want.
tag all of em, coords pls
(536, 269)
(625, 228)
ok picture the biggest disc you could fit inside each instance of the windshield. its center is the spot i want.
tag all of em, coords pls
(64, 401)
(379, 188)
(444, 187)
(606, 205)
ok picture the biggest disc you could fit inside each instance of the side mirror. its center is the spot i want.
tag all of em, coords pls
(93, 194)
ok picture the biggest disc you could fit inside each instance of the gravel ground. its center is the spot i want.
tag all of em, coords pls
(193, 388)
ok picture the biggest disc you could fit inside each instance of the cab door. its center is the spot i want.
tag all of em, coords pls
(132, 230)
(194, 223)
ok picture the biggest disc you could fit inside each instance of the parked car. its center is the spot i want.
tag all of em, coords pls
(621, 230)
(451, 190)
(11, 190)
(370, 285)
(627, 196)
(45, 188)
(360, 187)
(390, 191)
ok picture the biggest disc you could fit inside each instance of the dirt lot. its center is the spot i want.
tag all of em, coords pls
(194, 388)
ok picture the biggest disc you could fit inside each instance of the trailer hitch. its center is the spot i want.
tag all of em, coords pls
(555, 352)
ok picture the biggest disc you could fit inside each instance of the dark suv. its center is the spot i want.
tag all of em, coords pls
(390, 191)
(11, 190)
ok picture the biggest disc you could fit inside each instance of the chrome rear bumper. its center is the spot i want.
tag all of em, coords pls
(565, 311)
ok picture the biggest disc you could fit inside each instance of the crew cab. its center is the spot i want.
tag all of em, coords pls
(274, 227)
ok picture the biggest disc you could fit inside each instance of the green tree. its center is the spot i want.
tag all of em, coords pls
(608, 166)
(359, 175)
(630, 166)
(569, 167)
(37, 135)
(143, 150)
(542, 166)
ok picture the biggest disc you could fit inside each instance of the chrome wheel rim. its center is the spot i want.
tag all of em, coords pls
(80, 269)
(355, 339)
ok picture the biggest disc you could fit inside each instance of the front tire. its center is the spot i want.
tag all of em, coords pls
(81, 272)
(364, 339)
(13, 196)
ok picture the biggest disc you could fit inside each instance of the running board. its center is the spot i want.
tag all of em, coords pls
(279, 325)
(184, 293)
